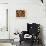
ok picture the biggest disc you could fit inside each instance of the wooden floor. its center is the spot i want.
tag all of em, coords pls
(23, 43)
(28, 44)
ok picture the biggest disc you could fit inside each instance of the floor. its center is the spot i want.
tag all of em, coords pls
(27, 44)
(22, 44)
(5, 44)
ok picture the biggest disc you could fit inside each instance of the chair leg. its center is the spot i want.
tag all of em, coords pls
(20, 42)
(32, 42)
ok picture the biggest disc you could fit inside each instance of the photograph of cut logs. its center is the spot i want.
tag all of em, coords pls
(20, 13)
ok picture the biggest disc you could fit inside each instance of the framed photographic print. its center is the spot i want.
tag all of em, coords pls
(20, 13)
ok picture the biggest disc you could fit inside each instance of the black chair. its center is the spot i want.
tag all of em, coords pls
(32, 29)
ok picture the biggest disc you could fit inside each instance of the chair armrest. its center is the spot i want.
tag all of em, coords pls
(22, 35)
(24, 32)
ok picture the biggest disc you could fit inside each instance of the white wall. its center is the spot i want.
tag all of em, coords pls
(3, 34)
(35, 12)
(3, 1)
(3, 21)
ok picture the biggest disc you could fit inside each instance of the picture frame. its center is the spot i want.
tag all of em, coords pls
(20, 13)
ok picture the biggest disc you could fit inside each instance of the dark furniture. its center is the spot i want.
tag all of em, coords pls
(42, 1)
(33, 30)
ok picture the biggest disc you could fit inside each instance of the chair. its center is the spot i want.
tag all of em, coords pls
(33, 30)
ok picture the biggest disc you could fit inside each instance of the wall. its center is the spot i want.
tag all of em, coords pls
(3, 14)
(3, 1)
(3, 34)
(35, 12)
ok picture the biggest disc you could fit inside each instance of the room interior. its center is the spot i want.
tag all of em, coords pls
(16, 14)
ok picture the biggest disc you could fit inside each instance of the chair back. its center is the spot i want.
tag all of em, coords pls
(33, 28)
